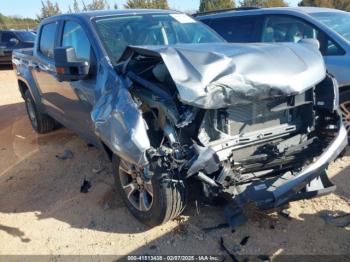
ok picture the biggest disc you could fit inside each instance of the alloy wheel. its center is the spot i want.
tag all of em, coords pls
(138, 190)
(345, 113)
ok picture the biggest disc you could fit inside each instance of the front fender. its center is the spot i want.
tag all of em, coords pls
(119, 123)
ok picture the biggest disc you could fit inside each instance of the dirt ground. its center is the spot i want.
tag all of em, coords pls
(43, 212)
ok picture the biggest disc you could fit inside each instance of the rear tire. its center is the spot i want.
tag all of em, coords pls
(168, 200)
(41, 122)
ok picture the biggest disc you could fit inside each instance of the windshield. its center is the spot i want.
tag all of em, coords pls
(118, 32)
(338, 21)
(26, 36)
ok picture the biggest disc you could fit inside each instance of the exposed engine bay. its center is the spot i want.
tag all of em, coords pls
(254, 144)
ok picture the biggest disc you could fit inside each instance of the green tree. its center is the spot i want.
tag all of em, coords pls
(160, 4)
(156, 4)
(263, 3)
(48, 9)
(76, 7)
(337, 4)
(319, 3)
(342, 5)
(210, 5)
(16, 22)
(96, 5)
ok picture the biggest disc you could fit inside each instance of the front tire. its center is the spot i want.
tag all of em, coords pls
(41, 122)
(152, 202)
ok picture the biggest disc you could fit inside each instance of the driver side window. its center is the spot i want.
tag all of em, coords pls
(74, 36)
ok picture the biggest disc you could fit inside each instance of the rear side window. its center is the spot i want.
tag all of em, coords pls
(47, 39)
(235, 29)
(74, 36)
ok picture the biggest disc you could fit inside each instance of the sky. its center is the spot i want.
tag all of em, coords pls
(29, 8)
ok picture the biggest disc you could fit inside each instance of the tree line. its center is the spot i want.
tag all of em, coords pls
(50, 8)
(337, 4)
(8, 22)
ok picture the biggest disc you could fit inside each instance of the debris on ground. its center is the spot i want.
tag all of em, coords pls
(244, 241)
(234, 216)
(181, 227)
(224, 248)
(285, 213)
(67, 154)
(153, 247)
(107, 205)
(197, 208)
(219, 226)
(264, 257)
(341, 220)
(10, 178)
(85, 186)
(236, 248)
(92, 224)
(97, 170)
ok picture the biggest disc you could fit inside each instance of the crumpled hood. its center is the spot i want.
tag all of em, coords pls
(217, 75)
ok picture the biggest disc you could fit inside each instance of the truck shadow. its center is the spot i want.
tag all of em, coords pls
(6, 67)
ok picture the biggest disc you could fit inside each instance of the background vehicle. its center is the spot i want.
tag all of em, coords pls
(171, 103)
(330, 27)
(13, 39)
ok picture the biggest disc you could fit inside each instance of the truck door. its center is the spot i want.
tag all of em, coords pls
(70, 102)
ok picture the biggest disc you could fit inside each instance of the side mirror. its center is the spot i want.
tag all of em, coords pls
(14, 41)
(68, 66)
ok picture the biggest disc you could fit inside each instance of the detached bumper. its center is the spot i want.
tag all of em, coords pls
(310, 182)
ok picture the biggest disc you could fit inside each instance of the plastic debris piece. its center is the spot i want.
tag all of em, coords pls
(219, 226)
(244, 241)
(224, 248)
(340, 220)
(67, 154)
(153, 247)
(264, 257)
(234, 216)
(97, 170)
(286, 214)
(85, 186)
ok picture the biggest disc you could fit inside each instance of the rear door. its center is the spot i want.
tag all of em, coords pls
(44, 71)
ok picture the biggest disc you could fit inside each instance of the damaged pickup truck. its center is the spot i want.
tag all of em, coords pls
(172, 104)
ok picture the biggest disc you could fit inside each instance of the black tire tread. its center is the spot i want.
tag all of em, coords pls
(173, 192)
(45, 123)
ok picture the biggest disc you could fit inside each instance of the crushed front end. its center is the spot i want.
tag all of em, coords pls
(277, 150)
(262, 134)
